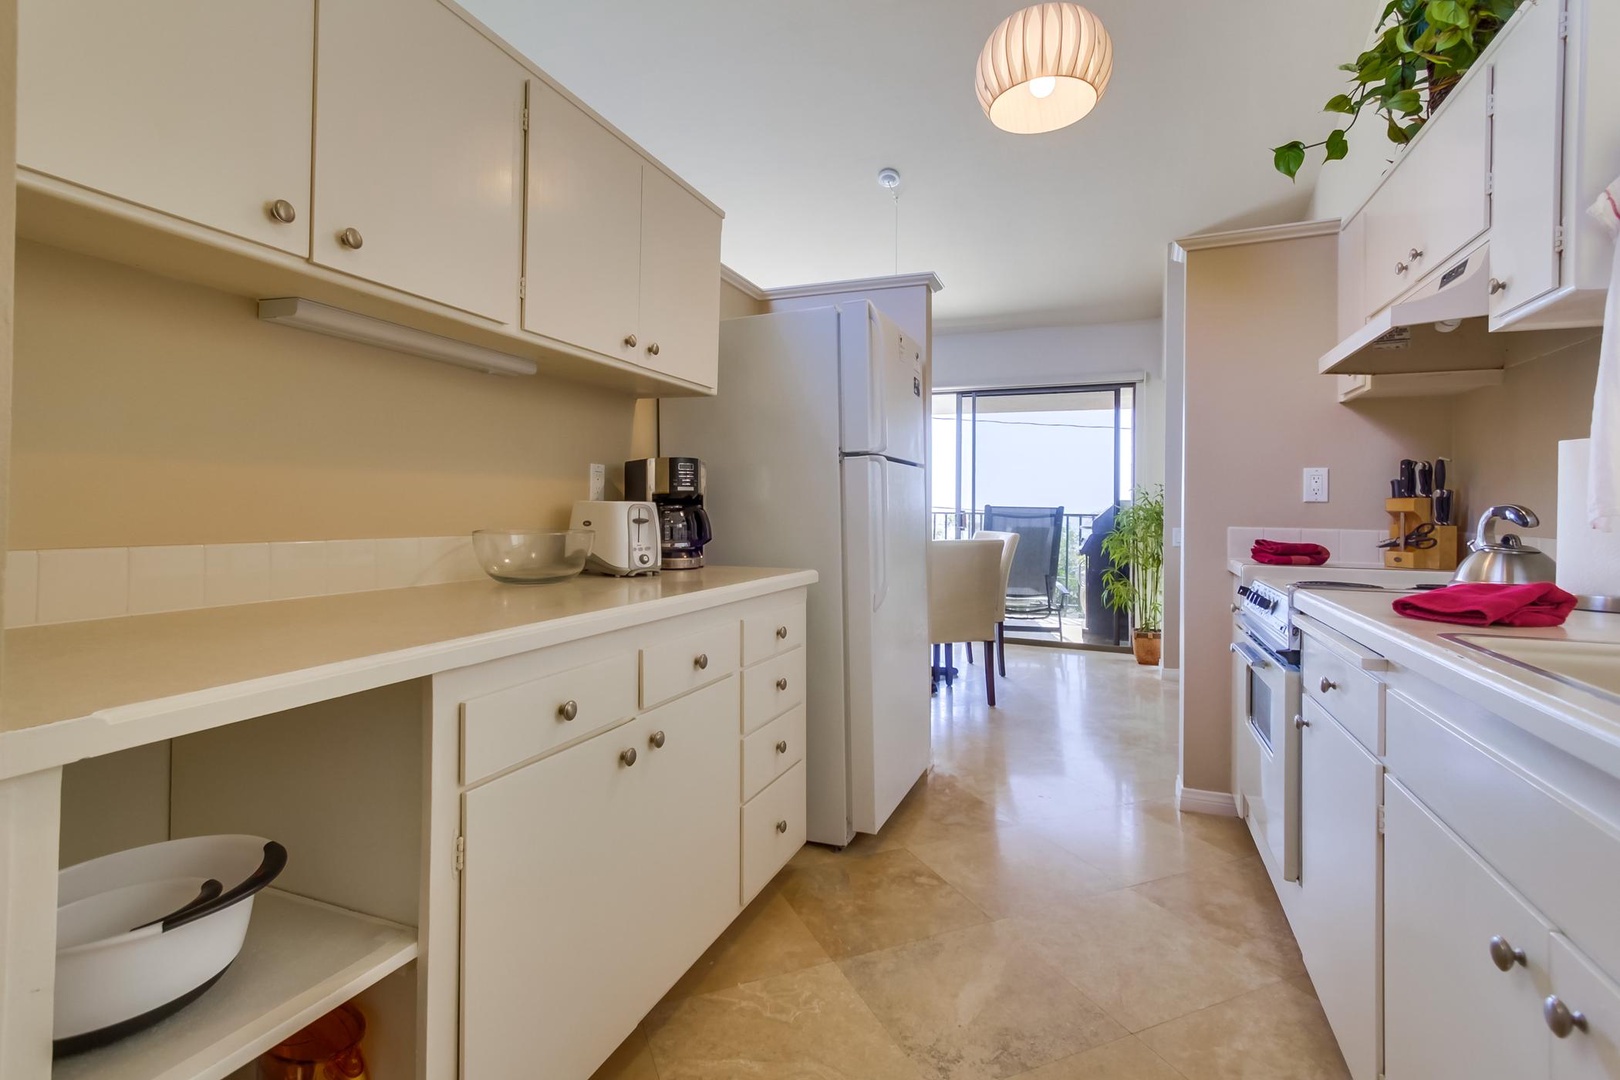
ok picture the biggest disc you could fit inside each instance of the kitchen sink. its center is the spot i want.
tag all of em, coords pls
(1591, 665)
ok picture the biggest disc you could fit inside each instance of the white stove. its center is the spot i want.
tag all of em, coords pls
(1266, 602)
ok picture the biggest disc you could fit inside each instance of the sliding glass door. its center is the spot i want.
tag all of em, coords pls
(1050, 465)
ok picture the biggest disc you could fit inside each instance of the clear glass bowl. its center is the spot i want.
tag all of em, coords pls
(521, 557)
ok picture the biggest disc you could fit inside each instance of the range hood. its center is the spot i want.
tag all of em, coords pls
(1441, 327)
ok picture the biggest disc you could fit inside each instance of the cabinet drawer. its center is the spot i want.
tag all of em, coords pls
(772, 751)
(501, 729)
(772, 688)
(1334, 678)
(772, 633)
(1592, 1052)
(688, 662)
(772, 830)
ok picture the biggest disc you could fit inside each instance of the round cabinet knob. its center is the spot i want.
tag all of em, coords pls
(1561, 1019)
(567, 711)
(1401, 268)
(1328, 684)
(781, 684)
(629, 341)
(627, 757)
(781, 633)
(351, 239)
(652, 350)
(781, 747)
(1415, 254)
(1300, 723)
(656, 740)
(781, 826)
(1498, 285)
(1504, 955)
(283, 211)
(701, 661)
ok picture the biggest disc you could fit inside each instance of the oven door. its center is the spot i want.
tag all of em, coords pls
(1266, 699)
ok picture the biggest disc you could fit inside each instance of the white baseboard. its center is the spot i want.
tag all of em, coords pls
(1194, 801)
(1170, 674)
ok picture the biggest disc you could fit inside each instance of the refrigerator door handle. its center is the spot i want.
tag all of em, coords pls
(880, 537)
(877, 370)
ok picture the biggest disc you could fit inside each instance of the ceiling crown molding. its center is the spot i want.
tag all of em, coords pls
(740, 283)
(895, 281)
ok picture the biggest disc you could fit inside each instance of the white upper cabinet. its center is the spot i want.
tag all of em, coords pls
(1528, 133)
(582, 259)
(199, 109)
(419, 154)
(680, 281)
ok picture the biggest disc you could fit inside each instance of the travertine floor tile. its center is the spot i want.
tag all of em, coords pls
(1013, 871)
(940, 807)
(860, 905)
(1276, 1033)
(1130, 843)
(1127, 1059)
(767, 939)
(633, 1060)
(806, 1025)
(977, 1004)
(1235, 904)
(1139, 962)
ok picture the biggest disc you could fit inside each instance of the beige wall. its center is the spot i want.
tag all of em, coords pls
(1257, 318)
(154, 412)
(8, 233)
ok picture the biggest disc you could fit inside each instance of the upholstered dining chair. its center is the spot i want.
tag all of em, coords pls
(965, 597)
(1009, 546)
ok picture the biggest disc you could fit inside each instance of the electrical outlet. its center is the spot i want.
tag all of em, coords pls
(598, 482)
(1316, 485)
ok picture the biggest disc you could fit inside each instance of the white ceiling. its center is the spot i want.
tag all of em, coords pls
(782, 112)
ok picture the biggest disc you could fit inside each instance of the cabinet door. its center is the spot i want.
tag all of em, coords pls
(582, 256)
(1337, 905)
(196, 108)
(419, 150)
(1450, 1012)
(1592, 1050)
(680, 281)
(1526, 136)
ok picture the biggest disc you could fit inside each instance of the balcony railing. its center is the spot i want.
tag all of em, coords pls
(1077, 528)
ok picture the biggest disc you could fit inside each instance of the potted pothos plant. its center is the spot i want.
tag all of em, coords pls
(1135, 583)
(1422, 48)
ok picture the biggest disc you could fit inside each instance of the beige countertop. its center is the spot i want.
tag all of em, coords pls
(77, 690)
(1577, 719)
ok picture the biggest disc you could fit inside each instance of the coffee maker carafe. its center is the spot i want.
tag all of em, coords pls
(675, 486)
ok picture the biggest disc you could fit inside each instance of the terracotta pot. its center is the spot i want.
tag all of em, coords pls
(1147, 645)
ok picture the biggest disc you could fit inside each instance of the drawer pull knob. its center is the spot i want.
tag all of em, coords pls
(1498, 285)
(1328, 684)
(1415, 254)
(701, 661)
(781, 684)
(781, 633)
(781, 747)
(1300, 723)
(652, 350)
(282, 211)
(1401, 268)
(656, 740)
(567, 710)
(1561, 1019)
(351, 239)
(629, 341)
(781, 827)
(627, 756)
(1504, 955)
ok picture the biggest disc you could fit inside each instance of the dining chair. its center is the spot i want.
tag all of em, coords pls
(965, 597)
(1009, 547)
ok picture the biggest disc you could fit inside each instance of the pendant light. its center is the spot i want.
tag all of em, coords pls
(1044, 68)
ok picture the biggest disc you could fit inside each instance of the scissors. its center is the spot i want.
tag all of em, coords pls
(1421, 538)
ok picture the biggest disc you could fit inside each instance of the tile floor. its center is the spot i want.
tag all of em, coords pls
(1036, 908)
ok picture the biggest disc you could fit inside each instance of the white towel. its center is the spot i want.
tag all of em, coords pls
(1603, 491)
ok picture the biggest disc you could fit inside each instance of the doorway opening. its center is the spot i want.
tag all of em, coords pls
(1052, 464)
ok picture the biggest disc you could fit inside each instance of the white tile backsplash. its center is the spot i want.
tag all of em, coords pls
(399, 562)
(1350, 547)
(297, 568)
(446, 559)
(22, 588)
(83, 583)
(166, 579)
(351, 565)
(1332, 539)
(236, 574)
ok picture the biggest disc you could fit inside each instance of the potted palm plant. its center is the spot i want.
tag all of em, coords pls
(1135, 583)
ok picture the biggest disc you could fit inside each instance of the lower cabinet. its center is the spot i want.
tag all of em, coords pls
(593, 878)
(1589, 1048)
(1335, 912)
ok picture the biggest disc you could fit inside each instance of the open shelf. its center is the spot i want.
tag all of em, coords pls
(300, 960)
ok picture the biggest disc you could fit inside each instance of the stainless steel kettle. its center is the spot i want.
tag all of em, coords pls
(1504, 560)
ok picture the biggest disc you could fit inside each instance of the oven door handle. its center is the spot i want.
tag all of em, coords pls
(1251, 656)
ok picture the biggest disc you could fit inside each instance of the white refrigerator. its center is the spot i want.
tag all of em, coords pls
(814, 448)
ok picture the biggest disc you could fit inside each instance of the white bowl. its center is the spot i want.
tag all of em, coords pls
(525, 557)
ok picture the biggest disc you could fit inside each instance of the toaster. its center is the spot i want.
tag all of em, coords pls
(626, 537)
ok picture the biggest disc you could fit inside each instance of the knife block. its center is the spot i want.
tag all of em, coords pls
(1406, 515)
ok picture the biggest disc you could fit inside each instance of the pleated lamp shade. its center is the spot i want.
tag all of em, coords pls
(1044, 68)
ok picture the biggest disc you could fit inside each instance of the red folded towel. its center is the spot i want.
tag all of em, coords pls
(1539, 604)
(1278, 553)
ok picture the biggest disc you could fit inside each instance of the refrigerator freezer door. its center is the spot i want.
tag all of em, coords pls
(886, 641)
(880, 386)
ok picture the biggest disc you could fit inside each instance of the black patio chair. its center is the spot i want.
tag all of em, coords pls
(1033, 588)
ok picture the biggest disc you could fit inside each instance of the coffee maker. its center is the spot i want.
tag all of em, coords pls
(675, 486)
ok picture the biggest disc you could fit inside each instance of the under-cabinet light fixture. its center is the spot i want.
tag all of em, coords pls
(303, 314)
